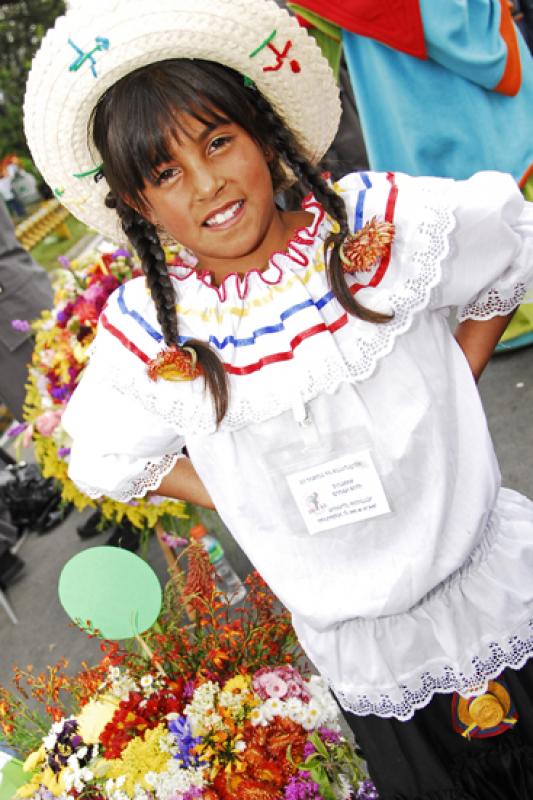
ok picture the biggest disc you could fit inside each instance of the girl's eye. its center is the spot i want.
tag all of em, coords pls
(166, 175)
(219, 141)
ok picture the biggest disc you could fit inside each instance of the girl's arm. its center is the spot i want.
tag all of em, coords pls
(183, 483)
(478, 338)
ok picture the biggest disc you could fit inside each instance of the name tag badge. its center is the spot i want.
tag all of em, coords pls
(338, 492)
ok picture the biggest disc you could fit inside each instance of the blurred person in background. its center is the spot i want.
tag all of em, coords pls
(8, 173)
(443, 87)
(25, 291)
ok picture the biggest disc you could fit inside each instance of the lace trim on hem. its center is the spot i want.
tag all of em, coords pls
(138, 487)
(493, 304)
(497, 658)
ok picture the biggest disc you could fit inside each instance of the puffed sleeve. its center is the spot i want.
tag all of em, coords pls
(119, 447)
(490, 264)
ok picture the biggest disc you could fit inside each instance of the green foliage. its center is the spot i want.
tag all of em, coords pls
(23, 24)
(329, 762)
(47, 252)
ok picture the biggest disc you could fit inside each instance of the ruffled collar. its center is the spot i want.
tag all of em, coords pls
(298, 255)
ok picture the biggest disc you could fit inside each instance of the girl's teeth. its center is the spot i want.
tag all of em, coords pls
(224, 216)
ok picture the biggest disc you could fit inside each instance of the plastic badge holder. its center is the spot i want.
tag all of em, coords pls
(326, 478)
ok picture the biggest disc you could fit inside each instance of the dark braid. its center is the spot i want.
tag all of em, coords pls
(133, 127)
(144, 238)
(284, 144)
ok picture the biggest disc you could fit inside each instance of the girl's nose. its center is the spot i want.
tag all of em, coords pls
(207, 183)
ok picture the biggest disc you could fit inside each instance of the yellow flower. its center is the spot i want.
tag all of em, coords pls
(94, 717)
(34, 759)
(29, 789)
(47, 778)
(80, 353)
(238, 685)
(139, 757)
(54, 783)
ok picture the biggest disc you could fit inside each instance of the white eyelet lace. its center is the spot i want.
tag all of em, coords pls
(493, 303)
(151, 477)
(513, 652)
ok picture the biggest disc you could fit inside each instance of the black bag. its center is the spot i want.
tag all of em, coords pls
(34, 503)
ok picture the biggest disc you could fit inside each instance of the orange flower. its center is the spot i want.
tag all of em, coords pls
(200, 578)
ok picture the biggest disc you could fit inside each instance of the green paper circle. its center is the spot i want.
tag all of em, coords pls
(112, 589)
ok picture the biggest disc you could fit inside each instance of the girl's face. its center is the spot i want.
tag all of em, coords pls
(215, 197)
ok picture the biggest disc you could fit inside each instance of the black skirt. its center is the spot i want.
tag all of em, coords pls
(425, 758)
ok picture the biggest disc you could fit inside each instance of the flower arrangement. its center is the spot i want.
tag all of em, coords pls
(63, 337)
(207, 709)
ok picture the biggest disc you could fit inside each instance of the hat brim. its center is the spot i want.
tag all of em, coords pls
(96, 44)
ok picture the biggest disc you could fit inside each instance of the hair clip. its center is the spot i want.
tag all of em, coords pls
(175, 364)
(361, 250)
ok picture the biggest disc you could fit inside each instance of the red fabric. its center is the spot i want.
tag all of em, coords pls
(396, 23)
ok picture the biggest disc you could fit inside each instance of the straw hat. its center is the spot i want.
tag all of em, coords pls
(100, 41)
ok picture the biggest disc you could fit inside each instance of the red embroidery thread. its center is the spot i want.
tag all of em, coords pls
(280, 58)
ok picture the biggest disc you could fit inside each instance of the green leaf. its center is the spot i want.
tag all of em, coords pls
(315, 739)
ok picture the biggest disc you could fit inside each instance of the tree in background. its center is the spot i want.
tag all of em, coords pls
(23, 24)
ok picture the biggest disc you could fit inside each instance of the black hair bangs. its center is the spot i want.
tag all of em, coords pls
(138, 119)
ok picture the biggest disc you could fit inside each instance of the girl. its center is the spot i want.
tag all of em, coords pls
(305, 361)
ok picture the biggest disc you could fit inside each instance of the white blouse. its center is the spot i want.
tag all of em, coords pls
(428, 586)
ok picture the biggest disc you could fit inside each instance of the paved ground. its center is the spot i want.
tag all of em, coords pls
(44, 634)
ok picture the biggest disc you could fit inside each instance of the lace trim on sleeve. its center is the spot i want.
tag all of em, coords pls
(139, 485)
(493, 303)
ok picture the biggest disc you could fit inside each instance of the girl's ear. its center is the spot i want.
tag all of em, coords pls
(144, 210)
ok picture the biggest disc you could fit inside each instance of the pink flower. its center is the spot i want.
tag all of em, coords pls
(48, 422)
(295, 690)
(269, 682)
(273, 686)
(174, 542)
(93, 294)
(27, 436)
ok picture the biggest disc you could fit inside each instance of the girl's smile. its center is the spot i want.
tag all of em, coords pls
(225, 217)
(215, 197)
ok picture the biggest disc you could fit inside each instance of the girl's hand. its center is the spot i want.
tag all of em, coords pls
(183, 483)
(477, 339)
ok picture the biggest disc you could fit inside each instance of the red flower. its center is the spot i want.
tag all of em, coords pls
(86, 312)
(138, 714)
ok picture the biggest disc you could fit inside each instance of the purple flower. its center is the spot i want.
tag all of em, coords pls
(64, 261)
(67, 742)
(193, 794)
(120, 252)
(21, 325)
(301, 787)
(157, 500)
(309, 749)
(329, 736)
(16, 430)
(180, 727)
(367, 791)
(62, 452)
(188, 690)
(59, 392)
(174, 542)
